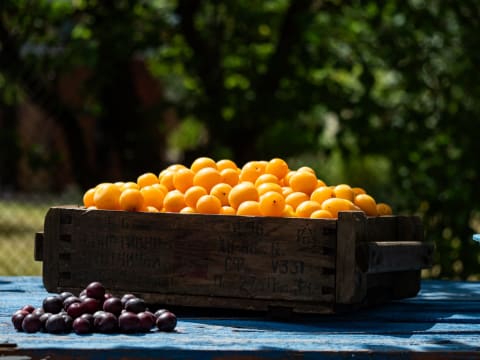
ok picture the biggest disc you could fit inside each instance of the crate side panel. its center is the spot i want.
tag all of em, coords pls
(381, 228)
(255, 258)
(410, 228)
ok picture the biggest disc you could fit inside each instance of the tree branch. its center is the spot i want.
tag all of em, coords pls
(207, 55)
(290, 33)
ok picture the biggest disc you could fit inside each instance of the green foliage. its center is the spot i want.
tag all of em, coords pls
(382, 95)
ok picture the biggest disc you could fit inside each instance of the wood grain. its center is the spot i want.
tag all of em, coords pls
(238, 262)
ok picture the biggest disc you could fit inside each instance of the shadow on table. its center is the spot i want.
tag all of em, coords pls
(398, 319)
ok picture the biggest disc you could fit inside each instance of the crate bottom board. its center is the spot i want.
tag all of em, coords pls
(382, 288)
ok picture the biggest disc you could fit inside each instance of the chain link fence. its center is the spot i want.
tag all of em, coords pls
(21, 216)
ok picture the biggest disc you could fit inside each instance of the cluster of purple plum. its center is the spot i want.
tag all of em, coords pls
(93, 310)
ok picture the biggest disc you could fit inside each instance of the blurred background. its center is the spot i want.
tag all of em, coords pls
(379, 94)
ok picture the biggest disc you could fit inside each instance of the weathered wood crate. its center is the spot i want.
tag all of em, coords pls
(236, 262)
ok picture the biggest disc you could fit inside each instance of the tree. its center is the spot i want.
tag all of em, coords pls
(380, 94)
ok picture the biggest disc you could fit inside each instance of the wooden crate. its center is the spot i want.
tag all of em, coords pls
(236, 262)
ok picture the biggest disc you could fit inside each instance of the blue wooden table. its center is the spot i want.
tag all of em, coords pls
(442, 322)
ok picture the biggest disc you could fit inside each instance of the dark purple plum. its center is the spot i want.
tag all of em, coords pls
(98, 313)
(127, 297)
(147, 321)
(68, 322)
(17, 319)
(128, 322)
(66, 294)
(55, 324)
(91, 305)
(166, 321)
(113, 305)
(43, 319)
(70, 300)
(53, 304)
(95, 290)
(28, 308)
(21, 311)
(159, 312)
(105, 323)
(82, 325)
(38, 312)
(76, 309)
(135, 305)
(88, 317)
(107, 296)
(31, 323)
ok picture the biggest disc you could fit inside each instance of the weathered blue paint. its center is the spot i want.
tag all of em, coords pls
(442, 322)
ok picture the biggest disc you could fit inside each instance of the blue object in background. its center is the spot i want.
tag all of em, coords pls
(476, 237)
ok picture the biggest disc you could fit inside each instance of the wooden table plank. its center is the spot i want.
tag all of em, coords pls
(442, 322)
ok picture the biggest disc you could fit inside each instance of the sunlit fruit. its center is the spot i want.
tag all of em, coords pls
(174, 201)
(321, 214)
(193, 194)
(296, 198)
(251, 171)
(230, 176)
(153, 196)
(277, 167)
(266, 178)
(366, 203)
(178, 189)
(221, 192)
(335, 205)
(321, 194)
(131, 200)
(244, 191)
(88, 198)
(208, 204)
(183, 179)
(166, 179)
(249, 208)
(383, 209)
(267, 187)
(207, 178)
(226, 164)
(107, 197)
(303, 181)
(203, 162)
(147, 179)
(306, 208)
(343, 191)
(272, 203)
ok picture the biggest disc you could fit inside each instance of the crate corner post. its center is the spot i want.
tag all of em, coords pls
(351, 285)
(50, 240)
